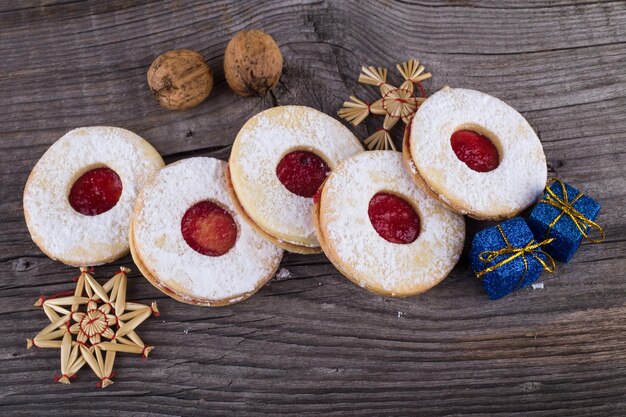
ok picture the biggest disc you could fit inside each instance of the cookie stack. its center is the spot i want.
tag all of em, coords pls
(210, 233)
(464, 153)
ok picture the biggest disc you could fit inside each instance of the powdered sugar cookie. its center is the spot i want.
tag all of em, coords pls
(382, 231)
(477, 154)
(78, 198)
(408, 163)
(188, 240)
(278, 160)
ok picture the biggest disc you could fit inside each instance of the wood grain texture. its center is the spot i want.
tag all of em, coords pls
(314, 343)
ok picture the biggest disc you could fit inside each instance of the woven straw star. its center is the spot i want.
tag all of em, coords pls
(107, 325)
(397, 103)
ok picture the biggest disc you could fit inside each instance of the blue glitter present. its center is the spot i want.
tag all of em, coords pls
(565, 214)
(506, 257)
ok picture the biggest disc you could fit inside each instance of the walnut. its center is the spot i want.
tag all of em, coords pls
(252, 63)
(180, 79)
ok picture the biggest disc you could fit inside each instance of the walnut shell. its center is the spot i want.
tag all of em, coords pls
(180, 79)
(252, 63)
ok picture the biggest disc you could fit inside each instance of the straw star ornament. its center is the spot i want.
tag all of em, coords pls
(396, 103)
(107, 326)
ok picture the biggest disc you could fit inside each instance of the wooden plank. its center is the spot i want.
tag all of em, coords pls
(313, 343)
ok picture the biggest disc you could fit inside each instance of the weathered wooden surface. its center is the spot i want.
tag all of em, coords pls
(315, 343)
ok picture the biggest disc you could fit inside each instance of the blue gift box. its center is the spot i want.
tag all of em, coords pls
(503, 249)
(565, 231)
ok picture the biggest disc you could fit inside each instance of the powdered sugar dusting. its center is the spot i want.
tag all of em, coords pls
(346, 226)
(258, 149)
(162, 248)
(512, 186)
(55, 226)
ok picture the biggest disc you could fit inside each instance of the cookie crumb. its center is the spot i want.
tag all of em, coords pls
(283, 273)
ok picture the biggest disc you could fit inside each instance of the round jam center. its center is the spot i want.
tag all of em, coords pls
(475, 150)
(209, 229)
(96, 191)
(394, 219)
(302, 172)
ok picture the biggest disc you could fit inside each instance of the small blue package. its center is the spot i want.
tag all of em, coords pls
(565, 214)
(506, 258)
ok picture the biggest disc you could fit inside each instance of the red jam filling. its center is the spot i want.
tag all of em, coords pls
(209, 229)
(318, 195)
(394, 219)
(475, 150)
(96, 191)
(302, 172)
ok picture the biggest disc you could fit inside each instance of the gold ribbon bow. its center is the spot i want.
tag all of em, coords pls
(565, 205)
(532, 248)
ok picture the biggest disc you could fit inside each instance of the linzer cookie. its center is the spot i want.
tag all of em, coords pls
(279, 159)
(188, 240)
(476, 154)
(78, 199)
(382, 231)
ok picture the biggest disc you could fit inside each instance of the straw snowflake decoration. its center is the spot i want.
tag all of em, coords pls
(108, 325)
(397, 103)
